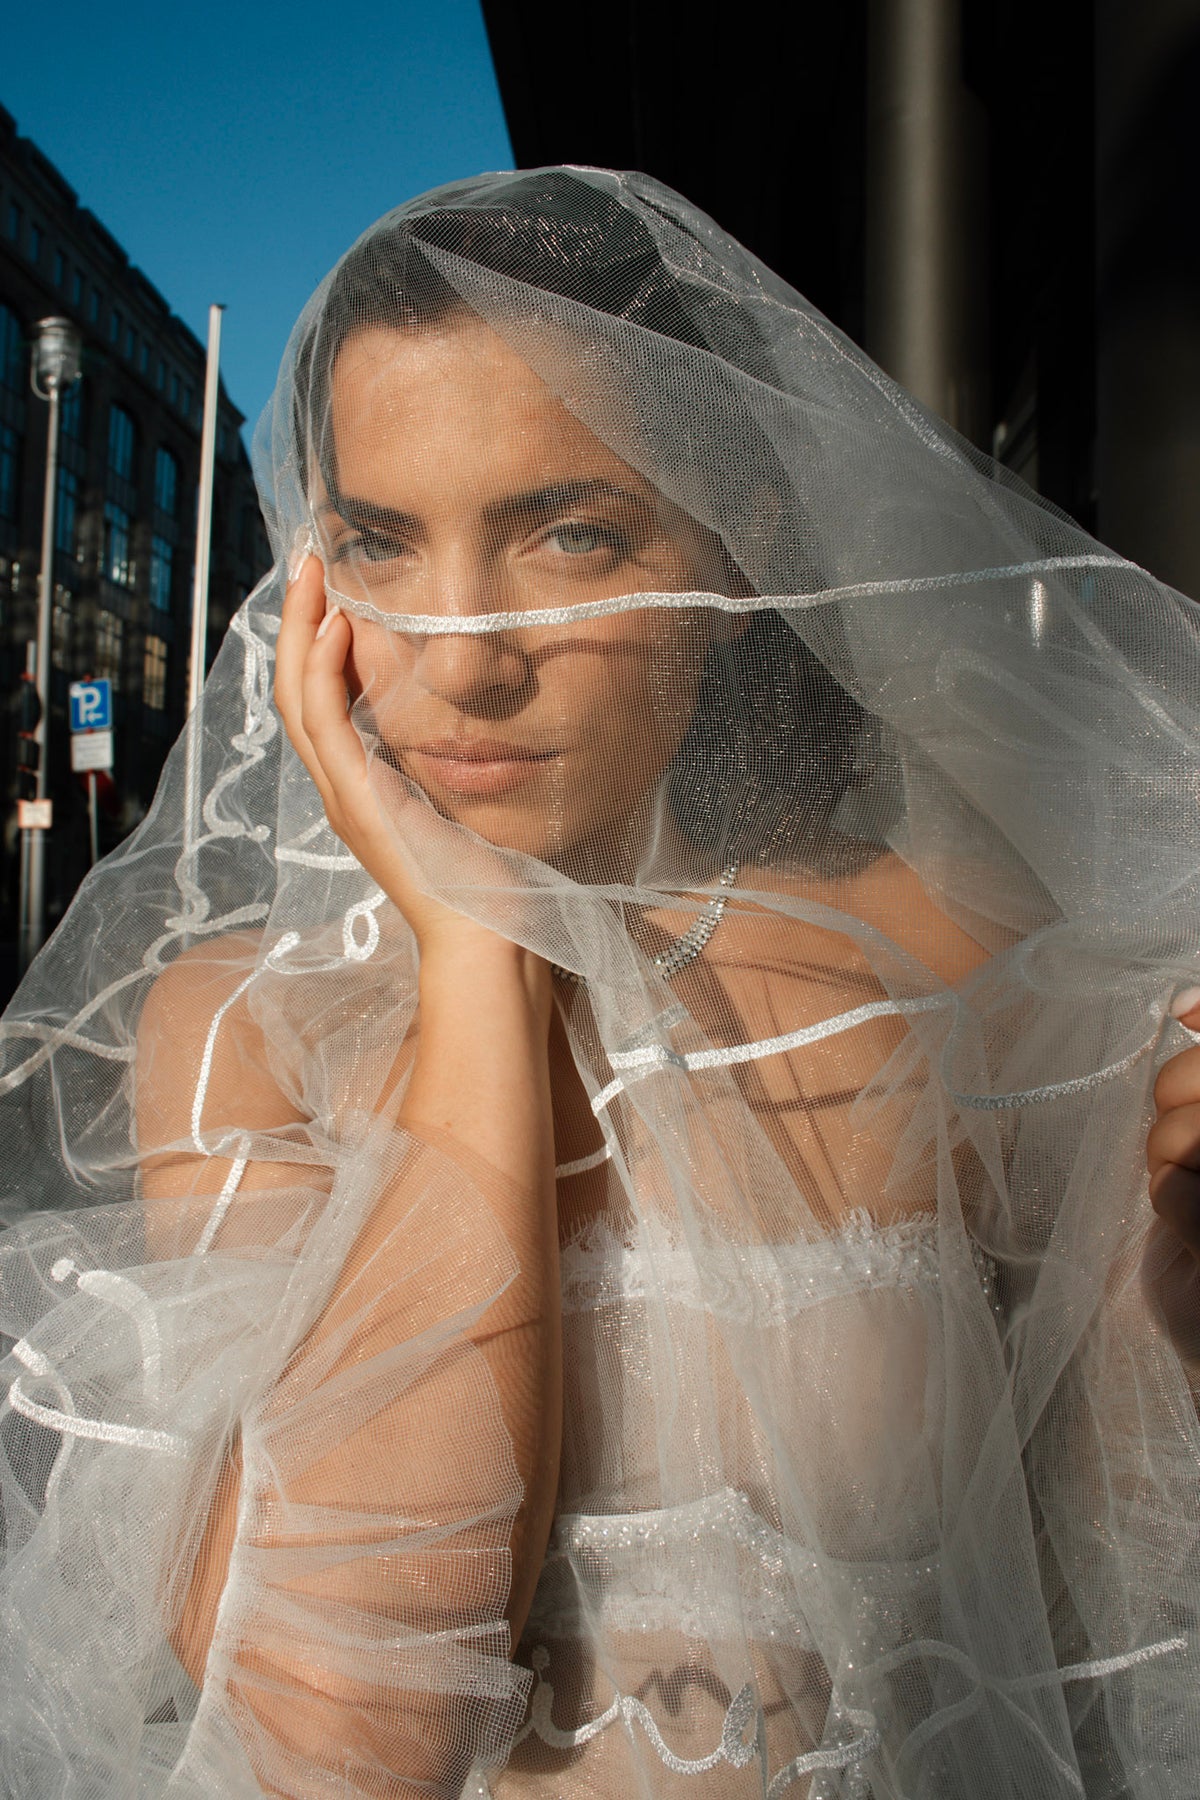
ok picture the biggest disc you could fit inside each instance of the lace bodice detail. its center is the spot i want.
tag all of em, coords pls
(734, 1561)
(763, 1283)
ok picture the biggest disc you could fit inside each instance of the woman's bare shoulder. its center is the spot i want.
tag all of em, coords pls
(197, 1031)
(205, 976)
(890, 896)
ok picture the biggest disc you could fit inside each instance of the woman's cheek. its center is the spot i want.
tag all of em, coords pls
(375, 667)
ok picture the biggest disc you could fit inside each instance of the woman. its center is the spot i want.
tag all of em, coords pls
(615, 1254)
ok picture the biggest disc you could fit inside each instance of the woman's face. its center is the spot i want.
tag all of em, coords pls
(463, 485)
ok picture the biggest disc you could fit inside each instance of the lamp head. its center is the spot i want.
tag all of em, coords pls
(57, 347)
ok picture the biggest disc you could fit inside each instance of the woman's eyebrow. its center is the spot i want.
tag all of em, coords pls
(533, 506)
(537, 505)
(369, 515)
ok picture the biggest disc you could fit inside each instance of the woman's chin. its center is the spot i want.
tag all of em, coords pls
(508, 827)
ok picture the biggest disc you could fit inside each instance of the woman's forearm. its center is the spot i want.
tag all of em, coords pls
(481, 1081)
(478, 1094)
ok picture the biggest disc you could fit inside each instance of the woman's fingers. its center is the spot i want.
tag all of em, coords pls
(303, 610)
(1178, 1082)
(1173, 1148)
(1175, 1138)
(323, 709)
(1175, 1282)
(1175, 1197)
(311, 694)
(312, 691)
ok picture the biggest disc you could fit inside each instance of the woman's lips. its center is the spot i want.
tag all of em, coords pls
(481, 767)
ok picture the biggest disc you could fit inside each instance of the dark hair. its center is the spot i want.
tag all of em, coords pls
(801, 743)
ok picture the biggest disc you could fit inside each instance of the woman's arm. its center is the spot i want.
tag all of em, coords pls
(478, 1091)
(477, 1105)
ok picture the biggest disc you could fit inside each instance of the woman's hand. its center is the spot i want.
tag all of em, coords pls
(1173, 1146)
(478, 1085)
(313, 698)
(1173, 1158)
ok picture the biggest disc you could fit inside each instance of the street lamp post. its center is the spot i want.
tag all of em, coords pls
(57, 347)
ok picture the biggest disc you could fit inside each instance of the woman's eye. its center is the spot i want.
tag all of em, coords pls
(583, 540)
(369, 546)
(374, 548)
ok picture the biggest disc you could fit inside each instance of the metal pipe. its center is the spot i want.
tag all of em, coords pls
(1147, 286)
(55, 366)
(93, 820)
(208, 452)
(926, 244)
(187, 871)
(35, 917)
(23, 901)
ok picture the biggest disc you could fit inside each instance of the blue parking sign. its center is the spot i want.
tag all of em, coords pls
(91, 705)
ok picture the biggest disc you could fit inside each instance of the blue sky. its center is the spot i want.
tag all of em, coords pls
(236, 150)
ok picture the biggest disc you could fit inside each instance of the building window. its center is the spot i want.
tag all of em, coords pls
(162, 374)
(154, 674)
(12, 349)
(130, 342)
(14, 221)
(114, 327)
(77, 288)
(118, 563)
(60, 269)
(94, 306)
(71, 413)
(10, 451)
(174, 388)
(187, 402)
(121, 438)
(166, 481)
(66, 512)
(110, 632)
(35, 243)
(144, 358)
(161, 557)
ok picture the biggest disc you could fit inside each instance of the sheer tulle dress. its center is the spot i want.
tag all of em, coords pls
(880, 1472)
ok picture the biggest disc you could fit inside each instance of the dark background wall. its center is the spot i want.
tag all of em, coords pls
(997, 198)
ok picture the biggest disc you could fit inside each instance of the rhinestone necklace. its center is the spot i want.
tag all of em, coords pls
(688, 946)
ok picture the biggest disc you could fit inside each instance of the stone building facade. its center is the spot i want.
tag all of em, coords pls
(126, 506)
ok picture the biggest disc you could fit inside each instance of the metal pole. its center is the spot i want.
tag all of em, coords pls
(1147, 465)
(36, 923)
(23, 913)
(926, 287)
(208, 452)
(23, 903)
(187, 872)
(93, 821)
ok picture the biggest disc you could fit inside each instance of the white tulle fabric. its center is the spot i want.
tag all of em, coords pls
(880, 1472)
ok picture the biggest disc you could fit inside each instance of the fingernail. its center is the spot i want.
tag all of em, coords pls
(1185, 1001)
(332, 614)
(295, 568)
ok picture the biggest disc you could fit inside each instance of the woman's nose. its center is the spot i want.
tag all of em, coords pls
(471, 669)
(485, 671)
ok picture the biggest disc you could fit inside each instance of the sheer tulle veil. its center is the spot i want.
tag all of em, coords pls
(881, 1472)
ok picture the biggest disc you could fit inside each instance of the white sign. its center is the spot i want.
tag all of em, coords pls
(35, 815)
(91, 750)
(91, 705)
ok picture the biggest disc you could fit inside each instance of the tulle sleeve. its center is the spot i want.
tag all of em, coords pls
(361, 1644)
